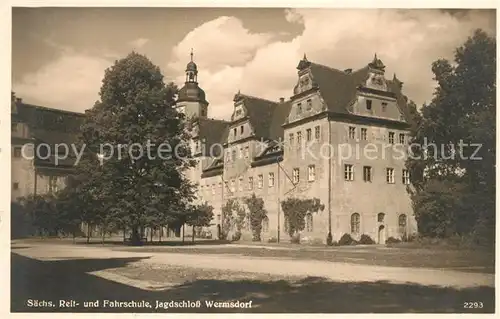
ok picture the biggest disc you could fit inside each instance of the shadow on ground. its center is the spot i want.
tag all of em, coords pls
(68, 280)
(110, 242)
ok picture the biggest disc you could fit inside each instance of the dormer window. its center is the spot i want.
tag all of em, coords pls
(241, 129)
(384, 106)
(238, 112)
(309, 104)
(299, 108)
(234, 131)
(368, 104)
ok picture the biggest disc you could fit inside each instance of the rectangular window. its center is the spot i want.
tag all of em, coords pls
(367, 173)
(390, 176)
(317, 132)
(368, 104)
(250, 183)
(228, 156)
(309, 104)
(233, 185)
(241, 129)
(391, 137)
(240, 153)
(13, 127)
(261, 181)
(15, 186)
(233, 157)
(352, 132)
(364, 134)
(401, 138)
(309, 134)
(271, 180)
(299, 138)
(384, 106)
(53, 184)
(235, 132)
(299, 108)
(240, 184)
(296, 175)
(213, 189)
(311, 173)
(290, 137)
(247, 152)
(406, 177)
(17, 152)
(348, 172)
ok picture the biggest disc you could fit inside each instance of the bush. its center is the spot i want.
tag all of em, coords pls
(346, 240)
(295, 239)
(392, 240)
(272, 240)
(329, 239)
(236, 236)
(366, 240)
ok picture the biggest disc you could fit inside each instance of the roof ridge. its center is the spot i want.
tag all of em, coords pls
(258, 98)
(52, 109)
(328, 67)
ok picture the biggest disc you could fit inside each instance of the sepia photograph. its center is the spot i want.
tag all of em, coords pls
(252, 160)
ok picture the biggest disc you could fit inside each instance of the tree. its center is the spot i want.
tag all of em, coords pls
(233, 216)
(295, 211)
(43, 213)
(136, 149)
(199, 216)
(257, 213)
(460, 122)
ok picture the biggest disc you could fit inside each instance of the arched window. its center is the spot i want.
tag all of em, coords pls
(402, 224)
(265, 224)
(355, 223)
(380, 217)
(309, 222)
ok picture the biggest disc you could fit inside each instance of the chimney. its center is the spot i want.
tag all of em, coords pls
(282, 100)
(348, 71)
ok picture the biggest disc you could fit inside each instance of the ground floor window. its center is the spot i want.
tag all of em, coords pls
(402, 224)
(355, 221)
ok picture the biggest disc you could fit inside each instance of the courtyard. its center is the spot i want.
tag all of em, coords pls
(275, 278)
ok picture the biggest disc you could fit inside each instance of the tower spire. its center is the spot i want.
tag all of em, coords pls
(191, 54)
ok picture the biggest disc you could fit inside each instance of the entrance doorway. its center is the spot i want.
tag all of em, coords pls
(381, 234)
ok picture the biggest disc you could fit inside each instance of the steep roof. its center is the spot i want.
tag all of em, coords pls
(212, 131)
(260, 114)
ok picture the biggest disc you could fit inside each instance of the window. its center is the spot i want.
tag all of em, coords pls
(348, 172)
(299, 138)
(241, 129)
(240, 153)
(247, 152)
(309, 134)
(401, 138)
(311, 173)
(352, 132)
(364, 134)
(53, 184)
(233, 157)
(235, 132)
(271, 180)
(290, 137)
(355, 223)
(238, 112)
(261, 181)
(380, 217)
(265, 224)
(384, 106)
(402, 224)
(309, 104)
(368, 104)
(228, 156)
(391, 137)
(367, 173)
(233, 185)
(317, 132)
(406, 177)
(250, 183)
(203, 112)
(299, 108)
(296, 175)
(17, 152)
(309, 222)
(390, 175)
(240, 184)
(15, 186)
(13, 127)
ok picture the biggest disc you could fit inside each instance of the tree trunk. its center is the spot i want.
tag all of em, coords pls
(151, 233)
(89, 229)
(103, 233)
(74, 236)
(124, 235)
(161, 233)
(183, 233)
(192, 235)
(135, 238)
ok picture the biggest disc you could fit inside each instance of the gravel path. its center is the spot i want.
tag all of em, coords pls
(335, 271)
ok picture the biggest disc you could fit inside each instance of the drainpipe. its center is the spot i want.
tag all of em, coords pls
(329, 178)
(278, 177)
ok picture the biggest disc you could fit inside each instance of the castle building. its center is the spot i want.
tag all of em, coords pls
(341, 137)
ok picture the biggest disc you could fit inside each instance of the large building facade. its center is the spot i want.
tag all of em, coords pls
(341, 137)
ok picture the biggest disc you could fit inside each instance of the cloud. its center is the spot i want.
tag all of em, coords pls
(71, 82)
(138, 43)
(231, 57)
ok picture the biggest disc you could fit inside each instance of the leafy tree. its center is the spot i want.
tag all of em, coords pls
(140, 174)
(43, 211)
(257, 213)
(233, 216)
(295, 211)
(199, 216)
(460, 117)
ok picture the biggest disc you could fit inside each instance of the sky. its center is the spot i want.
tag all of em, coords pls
(59, 55)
